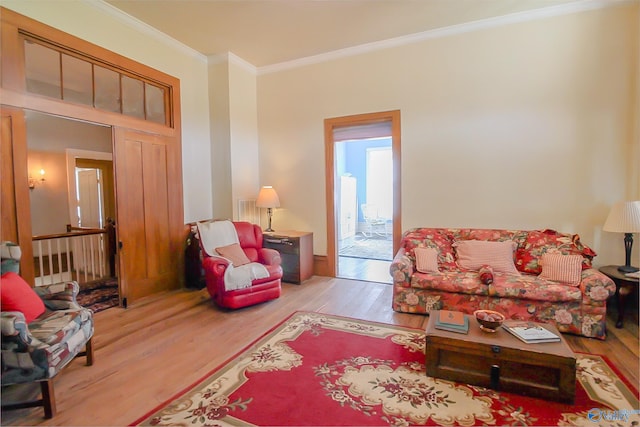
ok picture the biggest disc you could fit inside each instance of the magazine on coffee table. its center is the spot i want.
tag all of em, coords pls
(529, 332)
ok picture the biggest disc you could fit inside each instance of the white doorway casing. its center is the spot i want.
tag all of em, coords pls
(72, 184)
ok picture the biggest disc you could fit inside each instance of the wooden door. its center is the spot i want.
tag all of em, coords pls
(14, 188)
(148, 238)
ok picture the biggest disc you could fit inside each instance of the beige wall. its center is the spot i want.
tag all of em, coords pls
(49, 201)
(99, 23)
(528, 125)
(234, 133)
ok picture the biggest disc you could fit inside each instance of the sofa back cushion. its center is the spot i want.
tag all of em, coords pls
(539, 242)
(437, 238)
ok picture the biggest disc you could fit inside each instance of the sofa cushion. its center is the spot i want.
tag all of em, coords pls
(562, 268)
(438, 238)
(426, 259)
(538, 242)
(531, 287)
(450, 281)
(488, 234)
(473, 254)
(17, 295)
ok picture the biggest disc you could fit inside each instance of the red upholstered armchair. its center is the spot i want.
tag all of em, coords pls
(261, 289)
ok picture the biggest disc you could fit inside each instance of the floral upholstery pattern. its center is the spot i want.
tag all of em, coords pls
(537, 243)
(39, 350)
(578, 310)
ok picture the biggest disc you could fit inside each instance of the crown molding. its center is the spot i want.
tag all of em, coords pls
(144, 28)
(232, 59)
(512, 18)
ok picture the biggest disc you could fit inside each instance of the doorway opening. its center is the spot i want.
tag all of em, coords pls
(73, 206)
(363, 194)
(365, 206)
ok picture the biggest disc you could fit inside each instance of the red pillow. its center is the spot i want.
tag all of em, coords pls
(17, 295)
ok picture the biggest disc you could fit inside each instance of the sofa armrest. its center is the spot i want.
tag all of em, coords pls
(59, 296)
(596, 287)
(215, 264)
(269, 256)
(15, 332)
(401, 269)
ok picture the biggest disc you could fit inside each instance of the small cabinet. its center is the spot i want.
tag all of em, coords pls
(296, 251)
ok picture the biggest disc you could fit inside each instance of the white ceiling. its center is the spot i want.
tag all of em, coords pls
(267, 32)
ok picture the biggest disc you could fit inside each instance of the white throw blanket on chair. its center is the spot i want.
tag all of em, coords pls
(215, 234)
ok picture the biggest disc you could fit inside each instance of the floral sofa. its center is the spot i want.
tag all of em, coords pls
(521, 290)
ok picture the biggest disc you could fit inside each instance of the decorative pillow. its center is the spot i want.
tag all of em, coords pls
(562, 268)
(539, 242)
(426, 260)
(473, 254)
(486, 274)
(17, 295)
(234, 253)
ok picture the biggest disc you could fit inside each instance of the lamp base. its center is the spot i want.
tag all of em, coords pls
(627, 269)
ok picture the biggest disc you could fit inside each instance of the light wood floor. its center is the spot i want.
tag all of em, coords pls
(147, 353)
(371, 270)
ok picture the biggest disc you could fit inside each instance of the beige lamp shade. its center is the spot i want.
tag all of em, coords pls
(268, 198)
(624, 217)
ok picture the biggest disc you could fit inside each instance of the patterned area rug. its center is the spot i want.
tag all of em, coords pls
(99, 295)
(323, 370)
(375, 247)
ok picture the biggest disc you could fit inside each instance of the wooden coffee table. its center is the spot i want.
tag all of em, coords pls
(501, 361)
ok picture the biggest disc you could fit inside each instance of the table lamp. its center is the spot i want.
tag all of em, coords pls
(625, 218)
(268, 198)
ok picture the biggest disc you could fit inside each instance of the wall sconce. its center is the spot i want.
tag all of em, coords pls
(34, 181)
(268, 198)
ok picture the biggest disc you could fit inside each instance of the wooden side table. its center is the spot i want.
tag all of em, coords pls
(296, 250)
(624, 286)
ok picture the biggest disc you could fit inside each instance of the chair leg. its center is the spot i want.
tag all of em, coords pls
(89, 351)
(48, 398)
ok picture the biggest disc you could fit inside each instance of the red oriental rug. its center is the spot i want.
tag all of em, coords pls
(322, 370)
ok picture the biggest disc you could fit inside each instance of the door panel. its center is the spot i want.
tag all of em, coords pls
(144, 207)
(14, 203)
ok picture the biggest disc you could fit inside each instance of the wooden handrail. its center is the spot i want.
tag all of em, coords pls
(71, 228)
(72, 231)
(88, 232)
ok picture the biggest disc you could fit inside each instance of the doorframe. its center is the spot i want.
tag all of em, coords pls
(330, 186)
(71, 155)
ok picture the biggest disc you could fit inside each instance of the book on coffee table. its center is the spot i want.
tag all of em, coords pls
(529, 332)
(453, 321)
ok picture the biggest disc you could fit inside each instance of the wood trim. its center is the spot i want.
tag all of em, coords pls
(354, 120)
(16, 213)
(321, 265)
(14, 29)
(13, 91)
(86, 49)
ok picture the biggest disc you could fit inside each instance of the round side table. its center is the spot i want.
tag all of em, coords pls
(624, 286)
